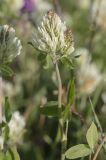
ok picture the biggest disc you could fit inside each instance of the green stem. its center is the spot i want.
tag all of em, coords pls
(59, 86)
(66, 133)
(99, 148)
(61, 123)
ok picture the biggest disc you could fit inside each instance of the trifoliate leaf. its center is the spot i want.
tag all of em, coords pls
(78, 151)
(92, 135)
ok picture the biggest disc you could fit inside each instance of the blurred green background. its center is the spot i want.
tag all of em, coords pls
(32, 86)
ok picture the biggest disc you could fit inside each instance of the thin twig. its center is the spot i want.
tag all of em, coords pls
(99, 148)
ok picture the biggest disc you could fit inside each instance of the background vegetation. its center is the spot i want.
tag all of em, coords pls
(32, 86)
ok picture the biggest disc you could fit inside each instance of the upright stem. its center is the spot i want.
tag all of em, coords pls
(59, 86)
(66, 131)
(61, 123)
(99, 148)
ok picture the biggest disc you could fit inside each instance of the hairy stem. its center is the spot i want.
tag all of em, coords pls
(59, 86)
(99, 148)
(61, 123)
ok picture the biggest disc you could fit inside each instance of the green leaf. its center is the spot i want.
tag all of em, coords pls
(6, 70)
(12, 154)
(15, 154)
(71, 92)
(70, 100)
(78, 151)
(67, 113)
(67, 62)
(6, 132)
(8, 155)
(3, 124)
(92, 135)
(8, 112)
(51, 109)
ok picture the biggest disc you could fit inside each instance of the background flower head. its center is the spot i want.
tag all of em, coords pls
(88, 75)
(10, 45)
(16, 126)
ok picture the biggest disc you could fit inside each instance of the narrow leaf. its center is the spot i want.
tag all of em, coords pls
(8, 156)
(92, 135)
(71, 92)
(15, 154)
(78, 151)
(8, 112)
(70, 100)
(6, 132)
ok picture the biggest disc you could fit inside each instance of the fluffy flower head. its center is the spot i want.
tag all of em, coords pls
(10, 45)
(53, 37)
(16, 125)
(88, 75)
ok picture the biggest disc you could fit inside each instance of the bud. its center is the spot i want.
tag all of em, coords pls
(52, 37)
(10, 45)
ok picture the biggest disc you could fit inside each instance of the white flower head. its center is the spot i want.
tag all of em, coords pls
(88, 75)
(89, 79)
(52, 36)
(16, 125)
(10, 45)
